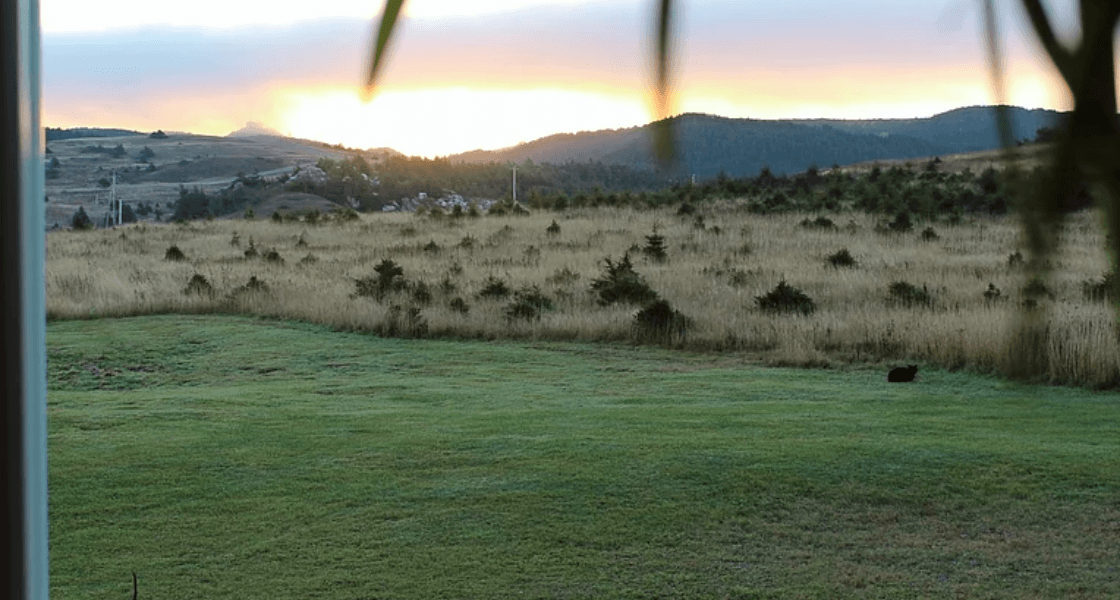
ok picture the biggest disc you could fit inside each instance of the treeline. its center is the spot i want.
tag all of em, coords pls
(406, 177)
(923, 192)
(53, 134)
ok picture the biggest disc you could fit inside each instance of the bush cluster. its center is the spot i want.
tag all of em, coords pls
(174, 254)
(902, 194)
(841, 258)
(528, 304)
(620, 284)
(198, 286)
(1100, 290)
(785, 298)
(909, 295)
(389, 278)
(659, 322)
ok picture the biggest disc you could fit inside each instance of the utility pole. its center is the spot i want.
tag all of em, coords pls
(119, 214)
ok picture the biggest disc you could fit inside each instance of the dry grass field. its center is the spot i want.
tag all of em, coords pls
(969, 286)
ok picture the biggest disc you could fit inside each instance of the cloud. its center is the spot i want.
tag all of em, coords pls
(744, 58)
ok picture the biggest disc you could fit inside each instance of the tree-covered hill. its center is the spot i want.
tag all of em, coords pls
(709, 145)
(961, 130)
(53, 134)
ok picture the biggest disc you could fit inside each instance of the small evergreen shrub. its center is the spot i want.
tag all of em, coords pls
(235, 240)
(818, 223)
(909, 295)
(1036, 289)
(272, 256)
(310, 259)
(528, 304)
(841, 258)
(302, 241)
(655, 247)
(901, 223)
(431, 247)
(620, 283)
(403, 322)
(254, 285)
(929, 235)
(738, 278)
(447, 287)
(459, 305)
(553, 229)
(563, 277)
(992, 294)
(390, 278)
(251, 252)
(346, 215)
(1015, 260)
(174, 254)
(658, 321)
(785, 298)
(277, 217)
(198, 286)
(1099, 290)
(421, 293)
(494, 288)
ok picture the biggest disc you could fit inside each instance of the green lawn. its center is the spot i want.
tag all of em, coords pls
(232, 458)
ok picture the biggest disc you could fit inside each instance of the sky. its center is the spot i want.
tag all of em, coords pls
(494, 73)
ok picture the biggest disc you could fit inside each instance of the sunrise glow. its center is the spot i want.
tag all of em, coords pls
(494, 73)
(438, 122)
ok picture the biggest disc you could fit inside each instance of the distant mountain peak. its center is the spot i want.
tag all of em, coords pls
(254, 128)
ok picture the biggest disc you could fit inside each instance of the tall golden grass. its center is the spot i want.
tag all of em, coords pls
(713, 275)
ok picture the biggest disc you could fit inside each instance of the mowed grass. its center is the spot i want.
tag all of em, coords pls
(230, 457)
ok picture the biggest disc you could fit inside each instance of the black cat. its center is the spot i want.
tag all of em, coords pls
(902, 374)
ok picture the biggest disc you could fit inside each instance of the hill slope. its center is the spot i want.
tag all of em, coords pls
(741, 147)
(960, 130)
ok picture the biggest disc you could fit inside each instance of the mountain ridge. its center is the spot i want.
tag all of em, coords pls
(710, 144)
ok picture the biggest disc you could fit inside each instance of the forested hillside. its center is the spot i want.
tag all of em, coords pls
(961, 130)
(710, 145)
(53, 134)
